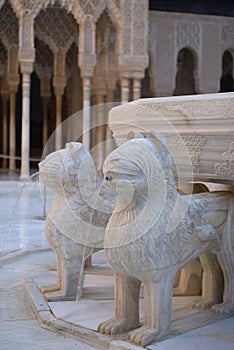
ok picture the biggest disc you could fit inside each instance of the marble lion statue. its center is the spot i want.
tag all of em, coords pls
(74, 227)
(153, 232)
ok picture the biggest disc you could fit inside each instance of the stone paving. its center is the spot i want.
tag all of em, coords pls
(25, 256)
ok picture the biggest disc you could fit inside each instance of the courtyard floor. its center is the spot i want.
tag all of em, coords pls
(26, 262)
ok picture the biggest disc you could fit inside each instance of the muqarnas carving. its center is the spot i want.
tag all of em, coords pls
(74, 226)
(153, 232)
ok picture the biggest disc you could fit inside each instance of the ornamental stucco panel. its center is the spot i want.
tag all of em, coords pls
(9, 26)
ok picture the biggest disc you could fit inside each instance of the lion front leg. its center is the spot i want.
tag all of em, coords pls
(71, 275)
(157, 304)
(55, 286)
(126, 307)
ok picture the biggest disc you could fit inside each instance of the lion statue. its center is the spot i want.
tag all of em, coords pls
(74, 226)
(153, 232)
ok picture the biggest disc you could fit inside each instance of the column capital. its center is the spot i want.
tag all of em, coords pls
(59, 84)
(86, 64)
(26, 43)
(13, 82)
(26, 67)
(131, 72)
(87, 50)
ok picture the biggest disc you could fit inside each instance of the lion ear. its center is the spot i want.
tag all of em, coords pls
(75, 149)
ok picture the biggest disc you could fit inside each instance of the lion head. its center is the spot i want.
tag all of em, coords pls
(61, 170)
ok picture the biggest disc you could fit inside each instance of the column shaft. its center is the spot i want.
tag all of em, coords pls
(25, 142)
(124, 90)
(45, 121)
(12, 140)
(4, 131)
(109, 144)
(136, 89)
(58, 121)
(101, 130)
(86, 112)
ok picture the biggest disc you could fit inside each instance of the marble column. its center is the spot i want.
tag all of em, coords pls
(136, 89)
(86, 112)
(26, 58)
(5, 99)
(58, 121)
(59, 84)
(101, 121)
(12, 140)
(45, 103)
(13, 82)
(25, 141)
(125, 91)
(109, 145)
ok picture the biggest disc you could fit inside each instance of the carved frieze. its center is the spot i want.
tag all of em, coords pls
(191, 143)
(226, 167)
(227, 33)
(188, 34)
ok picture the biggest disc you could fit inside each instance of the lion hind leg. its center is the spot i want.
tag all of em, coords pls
(212, 282)
(226, 260)
(227, 264)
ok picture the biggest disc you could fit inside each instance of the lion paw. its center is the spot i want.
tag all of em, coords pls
(59, 296)
(116, 325)
(50, 288)
(223, 308)
(144, 335)
(203, 304)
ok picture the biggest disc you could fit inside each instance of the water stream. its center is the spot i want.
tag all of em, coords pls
(33, 180)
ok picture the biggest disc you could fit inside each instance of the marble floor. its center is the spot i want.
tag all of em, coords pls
(24, 252)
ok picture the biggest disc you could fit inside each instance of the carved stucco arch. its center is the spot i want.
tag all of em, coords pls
(194, 54)
(231, 50)
(111, 9)
(9, 25)
(49, 28)
(11, 2)
(3, 60)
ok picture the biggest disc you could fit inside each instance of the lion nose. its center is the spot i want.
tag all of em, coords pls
(108, 178)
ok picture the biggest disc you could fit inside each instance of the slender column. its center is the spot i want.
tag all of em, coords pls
(45, 92)
(86, 112)
(87, 62)
(13, 81)
(124, 90)
(12, 140)
(59, 84)
(109, 145)
(26, 58)
(101, 130)
(4, 130)
(25, 142)
(136, 89)
(58, 121)
(45, 121)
